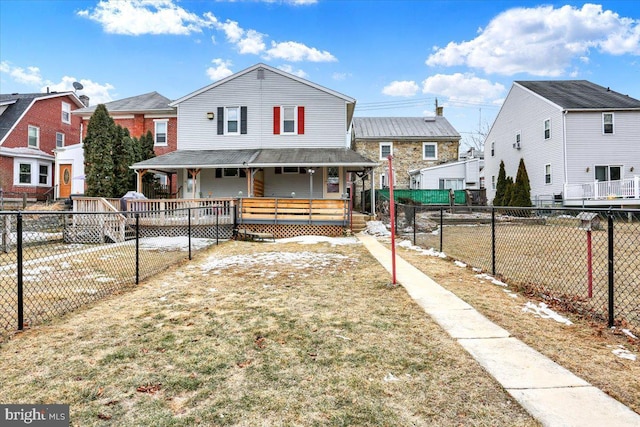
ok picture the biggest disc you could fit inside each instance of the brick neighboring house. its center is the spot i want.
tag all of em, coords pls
(139, 114)
(32, 126)
(414, 142)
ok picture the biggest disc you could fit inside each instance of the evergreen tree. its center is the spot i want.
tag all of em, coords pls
(522, 188)
(123, 157)
(508, 191)
(499, 199)
(98, 149)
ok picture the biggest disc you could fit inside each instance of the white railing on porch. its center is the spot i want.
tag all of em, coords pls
(601, 190)
(112, 226)
(176, 211)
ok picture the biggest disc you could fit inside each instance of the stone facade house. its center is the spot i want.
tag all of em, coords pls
(414, 142)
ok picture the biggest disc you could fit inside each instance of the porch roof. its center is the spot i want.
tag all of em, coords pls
(257, 158)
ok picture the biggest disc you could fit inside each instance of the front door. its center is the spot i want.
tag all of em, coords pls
(333, 188)
(65, 181)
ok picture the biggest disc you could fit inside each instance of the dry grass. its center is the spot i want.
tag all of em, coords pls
(584, 348)
(243, 335)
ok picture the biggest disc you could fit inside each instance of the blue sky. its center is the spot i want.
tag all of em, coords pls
(394, 57)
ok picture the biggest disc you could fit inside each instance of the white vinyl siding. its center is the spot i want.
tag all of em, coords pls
(325, 115)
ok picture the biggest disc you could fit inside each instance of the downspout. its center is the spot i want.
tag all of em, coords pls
(564, 153)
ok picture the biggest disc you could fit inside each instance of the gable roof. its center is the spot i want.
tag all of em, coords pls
(348, 99)
(16, 106)
(407, 128)
(580, 95)
(147, 103)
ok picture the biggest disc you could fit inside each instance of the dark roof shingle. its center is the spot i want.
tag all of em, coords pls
(580, 95)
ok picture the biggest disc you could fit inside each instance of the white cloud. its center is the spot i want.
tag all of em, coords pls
(31, 76)
(296, 52)
(137, 17)
(97, 93)
(221, 69)
(401, 88)
(465, 88)
(252, 43)
(232, 30)
(542, 41)
(289, 69)
(340, 76)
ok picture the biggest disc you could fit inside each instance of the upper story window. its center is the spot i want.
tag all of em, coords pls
(232, 120)
(160, 132)
(34, 137)
(516, 144)
(288, 120)
(386, 150)
(493, 148)
(66, 113)
(493, 182)
(429, 151)
(547, 129)
(607, 123)
(59, 139)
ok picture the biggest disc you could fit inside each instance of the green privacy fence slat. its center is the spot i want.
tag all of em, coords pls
(425, 197)
(459, 197)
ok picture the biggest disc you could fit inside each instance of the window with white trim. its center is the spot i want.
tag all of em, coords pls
(34, 136)
(25, 173)
(232, 121)
(66, 113)
(386, 150)
(451, 184)
(518, 139)
(547, 129)
(160, 132)
(43, 175)
(493, 148)
(289, 119)
(493, 182)
(547, 174)
(607, 123)
(429, 151)
(59, 139)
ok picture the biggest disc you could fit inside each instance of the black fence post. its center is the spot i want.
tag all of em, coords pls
(189, 230)
(441, 227)
(137, 248)
(611, 271)
(19, 268)
(493, 241)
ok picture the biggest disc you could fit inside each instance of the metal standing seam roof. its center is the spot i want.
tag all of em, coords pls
(181, 159)
(151, 101)
(580, 95)
(411, 128)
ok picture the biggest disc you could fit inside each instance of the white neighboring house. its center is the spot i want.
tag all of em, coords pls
(70, 160)
(460, 175)
(580, 143)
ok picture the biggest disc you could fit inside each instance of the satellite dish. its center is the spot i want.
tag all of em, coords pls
(78, 86)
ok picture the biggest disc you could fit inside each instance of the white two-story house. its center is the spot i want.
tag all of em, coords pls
(580, 143)
(262, 132)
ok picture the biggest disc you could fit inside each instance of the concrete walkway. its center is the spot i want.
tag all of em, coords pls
(549, 392)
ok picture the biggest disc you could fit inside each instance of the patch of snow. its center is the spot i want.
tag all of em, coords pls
(429, 252)
(542, 310)
(460, 264)
(511, 294)
(629, 333)
(491, 279)
(391, 378)
(180, 243)
(623, 353)
(377, 228)
(312, 240)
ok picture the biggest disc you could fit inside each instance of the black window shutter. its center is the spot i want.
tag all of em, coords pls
(243, 120)
(218, 173)
(220, 120)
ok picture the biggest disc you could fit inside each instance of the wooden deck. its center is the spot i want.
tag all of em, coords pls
(265, 210)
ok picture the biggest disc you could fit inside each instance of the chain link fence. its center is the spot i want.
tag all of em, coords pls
(585, 261)
(53, 262)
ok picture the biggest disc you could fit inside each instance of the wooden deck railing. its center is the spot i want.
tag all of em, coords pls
(274, 210)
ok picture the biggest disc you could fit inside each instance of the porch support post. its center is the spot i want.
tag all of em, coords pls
(373, 194)
(194, 175)
(140, 173)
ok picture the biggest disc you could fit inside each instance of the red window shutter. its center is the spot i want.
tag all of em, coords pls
(300, 120)
(276, 120)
